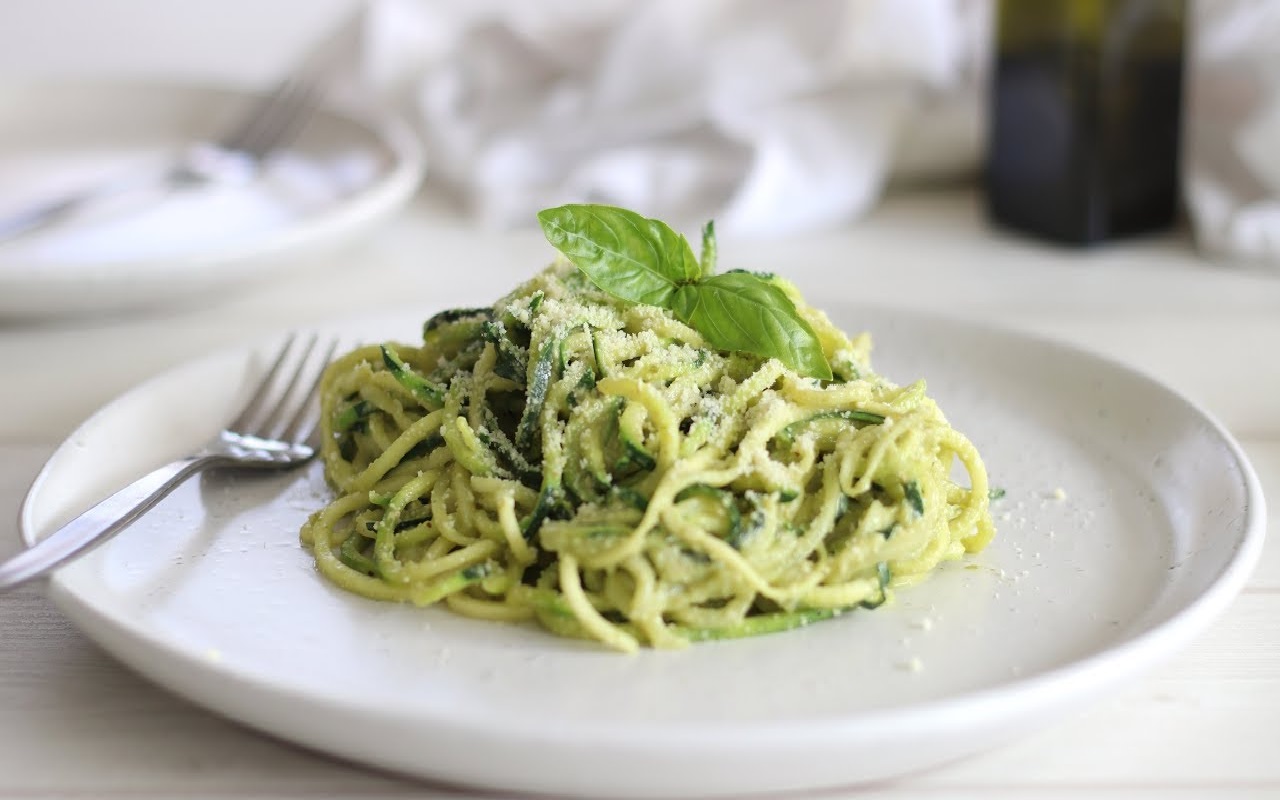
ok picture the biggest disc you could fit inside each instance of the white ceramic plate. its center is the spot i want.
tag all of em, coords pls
(338, 177)
(1157, 524)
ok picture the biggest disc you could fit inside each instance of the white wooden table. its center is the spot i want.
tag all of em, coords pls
(74, 723)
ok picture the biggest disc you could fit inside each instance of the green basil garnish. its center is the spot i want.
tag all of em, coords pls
(642, 260)
(630, 257)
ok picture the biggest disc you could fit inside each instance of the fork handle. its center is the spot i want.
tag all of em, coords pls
(99, 523)
(48, 213)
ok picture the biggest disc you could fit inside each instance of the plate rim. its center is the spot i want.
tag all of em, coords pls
(1018, 698)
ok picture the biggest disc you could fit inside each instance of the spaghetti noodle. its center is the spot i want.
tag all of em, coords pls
(593, 465)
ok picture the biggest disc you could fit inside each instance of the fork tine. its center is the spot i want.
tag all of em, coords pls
(281, 112)
(307, 417)
(270, 423)
(291, 121)
(290, 124)
(260, 112)
(235, 138)
(255, 404)
(277, 118)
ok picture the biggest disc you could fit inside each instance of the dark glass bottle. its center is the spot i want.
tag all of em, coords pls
(1086, 117)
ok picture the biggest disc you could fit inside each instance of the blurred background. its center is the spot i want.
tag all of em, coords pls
(773, 121)
(1078, 122)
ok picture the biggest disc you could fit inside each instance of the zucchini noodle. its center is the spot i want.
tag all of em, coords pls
(593, 465)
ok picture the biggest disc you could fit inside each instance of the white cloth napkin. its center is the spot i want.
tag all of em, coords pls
(1232, 162)
(771, 117)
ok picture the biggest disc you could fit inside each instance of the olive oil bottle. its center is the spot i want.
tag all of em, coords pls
(1086, 107)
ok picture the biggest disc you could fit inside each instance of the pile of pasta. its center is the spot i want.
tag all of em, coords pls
(593, 465)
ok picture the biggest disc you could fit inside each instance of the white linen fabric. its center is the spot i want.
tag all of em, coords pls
(772, 117)
(1232, 154)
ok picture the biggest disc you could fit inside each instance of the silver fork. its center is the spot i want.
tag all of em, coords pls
(270, 123)
(271, 432)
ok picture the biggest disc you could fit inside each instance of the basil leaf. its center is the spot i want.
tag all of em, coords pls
(629, 256)
(743, 311)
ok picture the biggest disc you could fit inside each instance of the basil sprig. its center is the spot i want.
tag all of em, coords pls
(643, 260)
